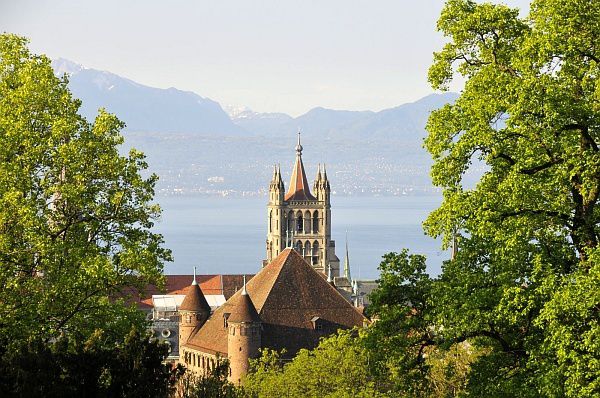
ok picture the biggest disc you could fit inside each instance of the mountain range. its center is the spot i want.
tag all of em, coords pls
(195, 145)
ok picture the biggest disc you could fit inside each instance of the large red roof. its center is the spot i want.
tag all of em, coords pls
(288, 295)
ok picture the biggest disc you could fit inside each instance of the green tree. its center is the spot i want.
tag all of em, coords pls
(525, 283)
(97, 367)
(338, 367)
(401, 336)
(75, 216)
(212, 385)
(404, 343)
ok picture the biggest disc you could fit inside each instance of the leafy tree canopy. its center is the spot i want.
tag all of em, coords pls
(338, 367)
(75, 216)
(98, 367)
(526, 281)
(211, 385)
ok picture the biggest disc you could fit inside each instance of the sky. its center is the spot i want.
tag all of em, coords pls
(271, 56)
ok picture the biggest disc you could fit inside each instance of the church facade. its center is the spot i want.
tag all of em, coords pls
(301, 220)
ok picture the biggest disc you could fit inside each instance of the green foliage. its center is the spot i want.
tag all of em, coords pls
(524, 285)
(407, 356)
(213, 385)
(75, 216)
(402, 331)
(98, 367)
(338, 367)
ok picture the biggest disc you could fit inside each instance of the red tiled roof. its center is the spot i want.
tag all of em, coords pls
(287, 294)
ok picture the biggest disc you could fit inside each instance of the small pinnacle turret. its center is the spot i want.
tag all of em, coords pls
(279, 179)
(325, 180)
(347, 262)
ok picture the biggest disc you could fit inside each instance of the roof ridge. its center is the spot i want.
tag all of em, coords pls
(268, 294)
(279, 276)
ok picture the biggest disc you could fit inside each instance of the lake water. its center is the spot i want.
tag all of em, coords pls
(227, 235)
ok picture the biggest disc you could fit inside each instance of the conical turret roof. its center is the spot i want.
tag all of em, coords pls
(194, 298)
(243, 310)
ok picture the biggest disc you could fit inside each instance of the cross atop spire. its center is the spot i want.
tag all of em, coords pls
(298, 146)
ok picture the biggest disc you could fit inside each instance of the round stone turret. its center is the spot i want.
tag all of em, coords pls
(193, 312)
(243, 337)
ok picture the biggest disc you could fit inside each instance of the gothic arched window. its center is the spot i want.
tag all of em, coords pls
(270, 220)
(299, 223)
(290, 221)
(307, 222)
(299, 247)
(315, 222)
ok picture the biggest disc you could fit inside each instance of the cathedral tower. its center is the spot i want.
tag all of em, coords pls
(300, 220)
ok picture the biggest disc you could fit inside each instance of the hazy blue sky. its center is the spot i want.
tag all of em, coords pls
(287, 56)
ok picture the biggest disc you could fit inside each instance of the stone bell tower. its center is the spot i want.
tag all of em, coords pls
(299, 220)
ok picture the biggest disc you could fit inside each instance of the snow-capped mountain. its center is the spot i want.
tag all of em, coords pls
(145, 108)
(228, 150)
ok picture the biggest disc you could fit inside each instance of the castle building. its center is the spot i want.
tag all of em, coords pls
(288, 305)
(301, 220)
(162, 308)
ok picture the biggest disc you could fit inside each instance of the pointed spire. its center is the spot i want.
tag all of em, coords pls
(329, 278)
(324, 172)
(299, 189)
(319, 177)
(194, 298)
(243, 309)
(279, 179)
(244, 291)
(347, 262)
